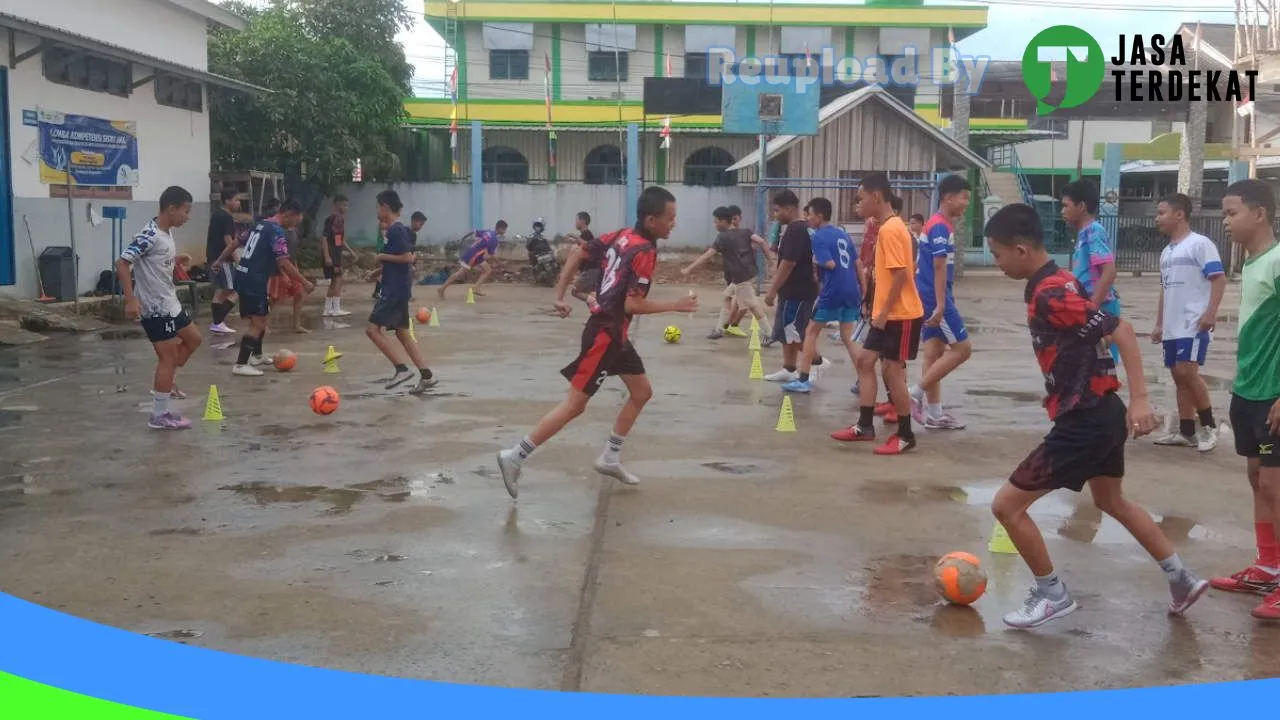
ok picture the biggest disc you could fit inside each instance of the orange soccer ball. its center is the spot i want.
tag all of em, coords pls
(324, 400)
(424, 316)
(285, 360)
(960, 578)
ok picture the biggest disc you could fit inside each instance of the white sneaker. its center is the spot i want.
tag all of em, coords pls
(782, 376)
(819, 369)
(339, 312)
(1174, 439)
(1206, 439)
(246, 371)
(615, 471)
(221, 329)
(256, 360)
(401, 377)
(1037, 610)
(510, 470)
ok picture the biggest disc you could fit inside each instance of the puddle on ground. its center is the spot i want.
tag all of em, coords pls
(177, 635)
(732, 468)
(888, 491)
(1015, 395)
(190, 531)
(340, 501)
(126, 334)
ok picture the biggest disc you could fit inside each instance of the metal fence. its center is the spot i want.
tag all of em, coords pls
(1138, 243)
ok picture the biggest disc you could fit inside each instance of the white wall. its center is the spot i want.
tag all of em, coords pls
(1063, 153)
(151, 27)
(447, 207)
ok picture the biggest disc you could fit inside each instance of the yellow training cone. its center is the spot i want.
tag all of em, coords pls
(757, 370)
(213, 406)
(331, 361)
(435, 318)
(411, 335)
(786, 416)
(471, 296)
(755, 325)
(1000, 542)
(754, 345)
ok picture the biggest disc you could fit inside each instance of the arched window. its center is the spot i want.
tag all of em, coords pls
(501, 164)
(706, 167)
(603, 166)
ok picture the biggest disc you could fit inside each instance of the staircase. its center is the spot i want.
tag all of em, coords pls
(1004, 185)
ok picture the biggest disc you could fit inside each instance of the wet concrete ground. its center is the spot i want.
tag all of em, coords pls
(748, 562)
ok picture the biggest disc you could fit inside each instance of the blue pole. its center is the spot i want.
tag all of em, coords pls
(1237, 170)
(477, 175)
(633, 172)
(762, 226)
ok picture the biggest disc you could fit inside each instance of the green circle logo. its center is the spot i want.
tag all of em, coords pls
(1086, 67)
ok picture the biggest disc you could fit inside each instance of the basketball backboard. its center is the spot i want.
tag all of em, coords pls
(768, 109)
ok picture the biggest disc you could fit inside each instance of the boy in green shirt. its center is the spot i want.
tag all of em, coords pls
(1248, 211)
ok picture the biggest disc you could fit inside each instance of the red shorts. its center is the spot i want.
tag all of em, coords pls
(604, 353)
(283, 286)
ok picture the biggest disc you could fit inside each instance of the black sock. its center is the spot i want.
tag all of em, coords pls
(1187, 427)
(219, 314)
(400, 367)
(1206, 417)
(257, 346)
(425, 372)
(246, 348)
(866, 416)
(804, 377)
(789, 368)
(904, 427)
(817, 359)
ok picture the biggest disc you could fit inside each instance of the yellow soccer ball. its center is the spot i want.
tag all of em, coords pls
(671, 334)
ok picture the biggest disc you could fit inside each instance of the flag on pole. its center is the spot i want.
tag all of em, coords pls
(667, 65)
(951, 35)
(665, 133)
(453, 119)
(551, 133)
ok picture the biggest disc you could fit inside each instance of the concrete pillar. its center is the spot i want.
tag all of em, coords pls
(633, 172)
(1191, 154)
(1109, 186)
(477, 174)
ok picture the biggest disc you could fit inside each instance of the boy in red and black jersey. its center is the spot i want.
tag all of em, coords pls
(1071, 337)
(626, 259)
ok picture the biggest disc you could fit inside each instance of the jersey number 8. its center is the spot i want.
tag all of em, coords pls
(842, 246)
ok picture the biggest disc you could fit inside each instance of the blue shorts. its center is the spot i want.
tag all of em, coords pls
(951, 331)
(837, 313)
(1112, 307)
(1192, 349)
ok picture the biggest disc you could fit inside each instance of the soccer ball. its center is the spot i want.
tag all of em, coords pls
(285, 360)
(671, 334)
(960, 578)
(324, 400)
(424, 316)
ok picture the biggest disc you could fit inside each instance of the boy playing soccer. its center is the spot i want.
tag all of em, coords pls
(627, 259)
(222, 235)
(1192, 282)
(1070, 335)
(896, 318)
(794, 284)
(585, 284)
(149, 260)
(331, 245)
(477, 255)
(391, 311)
(737, 248)
(946, 341)
(1092, 262)
(1248, 211)
(266, 253)
(840, 296)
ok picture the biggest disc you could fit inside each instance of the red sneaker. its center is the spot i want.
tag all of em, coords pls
(883, 408)
(853, 433)
(1270, 607)
(1252, 579)
(891, 417)
(895, 445)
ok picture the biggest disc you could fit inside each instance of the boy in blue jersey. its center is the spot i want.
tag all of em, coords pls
(477, 255)
(391, 311)
(840, 296)
(946, 341)
(266, 253)
(1093, 261)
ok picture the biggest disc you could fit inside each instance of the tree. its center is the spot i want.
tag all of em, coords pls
(338, 81)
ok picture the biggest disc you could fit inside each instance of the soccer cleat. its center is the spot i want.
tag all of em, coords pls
(1037, 610)
(246, 371)
(891, 417)
(782, 376)
(510, 470)
(715, 334)
(258, 360)
(854, 433)
(177, 394)
(168, 421)
(1270, 607)
(339, 312)
(896, 445)
(221, 329)
(1186, 590)
(615, 471)
(424, 384)
(1252, 579)
(798, 386)
(943, 422)
(401, 377)
(735, 331)
(1174, 439)
(917, 409)
(884, 408)
(1206, 439)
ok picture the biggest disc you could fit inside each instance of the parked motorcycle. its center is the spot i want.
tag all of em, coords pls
(542, 257)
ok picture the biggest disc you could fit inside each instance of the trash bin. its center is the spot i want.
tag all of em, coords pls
(57, 272)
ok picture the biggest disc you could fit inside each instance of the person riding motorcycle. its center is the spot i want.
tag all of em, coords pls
(536, 243)
(542, 257)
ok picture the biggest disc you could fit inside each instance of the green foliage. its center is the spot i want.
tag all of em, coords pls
(338, 79)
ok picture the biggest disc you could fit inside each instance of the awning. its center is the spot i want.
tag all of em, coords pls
(55, 36)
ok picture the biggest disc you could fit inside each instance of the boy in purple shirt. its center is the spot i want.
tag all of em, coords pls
(477, 255)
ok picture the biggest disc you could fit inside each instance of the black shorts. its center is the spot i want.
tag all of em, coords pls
(332, 271)
(161, 329)
(390, 313)
(899, 341)
(254, 305)
(1254, 438)
(1083, 444)
(791, 321)
(604, 353)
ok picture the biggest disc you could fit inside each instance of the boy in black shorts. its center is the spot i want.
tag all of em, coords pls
(266, 253)
(391, 310)
(1071, 338)
(627, 259)
(589, 279)
(331, 245)
(220, 243)
(147, 266)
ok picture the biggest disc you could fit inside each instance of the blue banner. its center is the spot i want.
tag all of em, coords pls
(93, 151)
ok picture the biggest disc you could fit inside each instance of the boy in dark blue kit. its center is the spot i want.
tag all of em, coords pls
(266, 253)
(1070, 336)
(391, 310)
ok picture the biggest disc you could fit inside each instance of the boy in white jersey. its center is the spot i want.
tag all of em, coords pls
(1192, 281)
(146, 266)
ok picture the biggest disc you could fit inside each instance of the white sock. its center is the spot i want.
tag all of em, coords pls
(934, 410)
(159, 403)
(337, 304)
(613, 449)
(917, 392)
(523, 450)
(331, 304)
